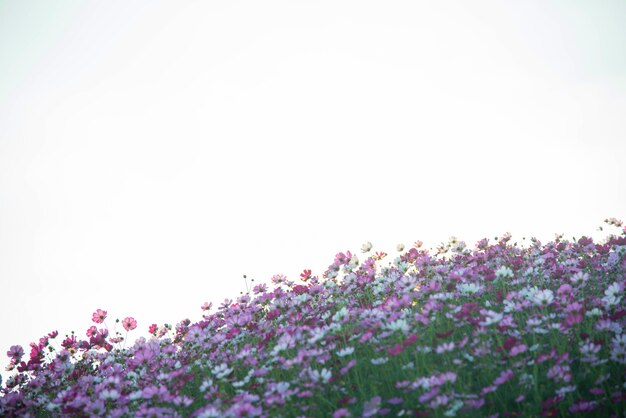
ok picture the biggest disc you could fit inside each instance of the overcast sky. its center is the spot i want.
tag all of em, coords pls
(151, 153)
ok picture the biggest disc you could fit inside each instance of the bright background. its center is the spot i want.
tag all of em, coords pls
(152, 153)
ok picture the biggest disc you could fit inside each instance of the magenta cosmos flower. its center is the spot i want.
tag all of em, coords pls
(99, 316)
(129, 323)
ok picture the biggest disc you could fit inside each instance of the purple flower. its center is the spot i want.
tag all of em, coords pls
(340, 413)
(371, 407)
(504, 377)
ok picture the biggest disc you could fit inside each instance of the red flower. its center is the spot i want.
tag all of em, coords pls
(299, 289)
(305, 275)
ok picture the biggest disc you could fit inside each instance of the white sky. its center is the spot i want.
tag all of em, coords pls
(151, 153)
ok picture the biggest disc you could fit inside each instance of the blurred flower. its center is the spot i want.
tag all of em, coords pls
(543, 297)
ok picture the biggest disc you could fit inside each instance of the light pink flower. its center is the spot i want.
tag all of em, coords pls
(129, 323)
(99, 316)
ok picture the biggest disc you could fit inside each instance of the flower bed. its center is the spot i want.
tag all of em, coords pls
(500, 330)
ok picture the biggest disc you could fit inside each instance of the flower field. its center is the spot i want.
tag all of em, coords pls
(500, 330)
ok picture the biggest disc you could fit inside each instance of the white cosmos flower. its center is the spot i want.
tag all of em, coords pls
(221, 371)
(207, 383)
(491, 318)
(340, 315)
(316, 335)
(323, 375)
(109, 394)
(589, 347)
(504, 272)
(398, 325)
(613, 289)
(468, 288)
(619, 341)
(543, 297)
(366, 247)
(345, 352)
(611, 300)
(579, 277)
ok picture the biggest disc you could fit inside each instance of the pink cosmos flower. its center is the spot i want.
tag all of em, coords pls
(99, 316)
(129, 323)
(92, 331)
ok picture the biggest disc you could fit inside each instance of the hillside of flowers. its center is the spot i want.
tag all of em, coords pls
(500, 330)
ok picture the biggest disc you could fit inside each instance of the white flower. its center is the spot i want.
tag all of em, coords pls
(410, 365)
(340, 315)
(618, 354)
(345, 352)
(221, 371)
(454, 407)
(504, 272)
(366, 247)
(619, 341)
(135, 395)
(468, 288)
(206, 384)
(491, 318)
(109, 394)
(398, 325)
(579, 277)
(565, 389)
(528, 292)
(323, 375)
(281, 346)
(379, 361)
(444, 348)
(210, 412)
(589, 347)
(282, 387)
(316, 335)
(593, 312)
(610, 300)
(613, 289)
(300, 299)
(508, 305)
(442, 296)
(400, 247)
(543, 297)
